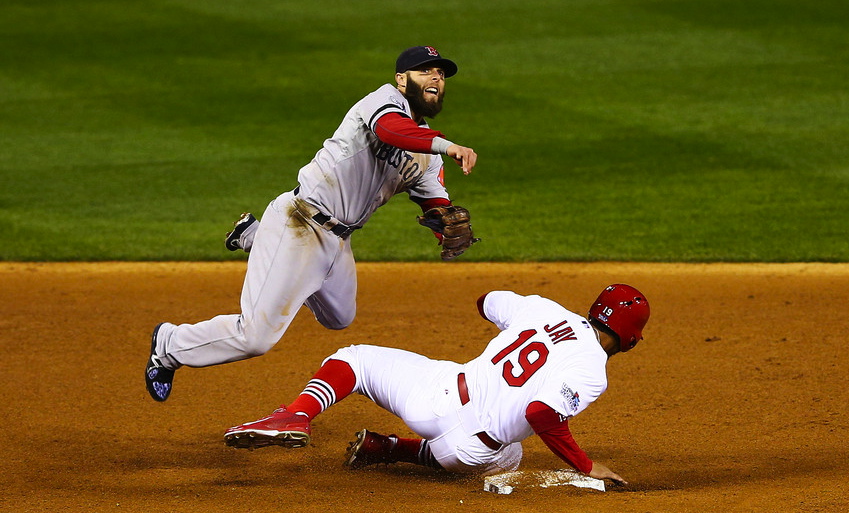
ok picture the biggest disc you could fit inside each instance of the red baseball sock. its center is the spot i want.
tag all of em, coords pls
(413, 450)
(331, 383)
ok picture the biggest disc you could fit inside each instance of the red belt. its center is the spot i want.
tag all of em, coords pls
(464, 398)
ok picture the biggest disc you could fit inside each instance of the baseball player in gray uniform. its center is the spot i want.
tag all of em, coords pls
(300, 250)
(545, 366)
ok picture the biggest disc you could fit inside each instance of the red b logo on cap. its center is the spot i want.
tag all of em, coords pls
(432, 51)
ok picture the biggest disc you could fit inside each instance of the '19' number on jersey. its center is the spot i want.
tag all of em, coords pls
(528, 366)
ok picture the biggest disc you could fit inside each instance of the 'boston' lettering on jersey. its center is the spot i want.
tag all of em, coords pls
(400, 159)
(559, 335)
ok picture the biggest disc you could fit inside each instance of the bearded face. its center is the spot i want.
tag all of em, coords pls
(425, 99)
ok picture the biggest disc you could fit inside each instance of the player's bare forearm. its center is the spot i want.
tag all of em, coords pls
(466, 158)
(599, 471)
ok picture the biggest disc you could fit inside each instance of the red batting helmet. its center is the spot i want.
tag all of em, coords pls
(623, 309)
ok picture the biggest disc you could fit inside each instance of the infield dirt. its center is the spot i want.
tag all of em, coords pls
(735, 401)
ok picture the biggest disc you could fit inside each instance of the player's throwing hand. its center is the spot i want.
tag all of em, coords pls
(464, 157)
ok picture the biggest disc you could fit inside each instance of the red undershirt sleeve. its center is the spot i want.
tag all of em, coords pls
(432, 202)
(402, 132)
(554, 432)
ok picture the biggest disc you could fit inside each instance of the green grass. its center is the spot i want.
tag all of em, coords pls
(688, 130)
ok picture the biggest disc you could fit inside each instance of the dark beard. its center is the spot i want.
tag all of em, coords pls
(415, 95)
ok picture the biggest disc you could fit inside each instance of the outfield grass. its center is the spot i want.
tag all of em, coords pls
(688, 130)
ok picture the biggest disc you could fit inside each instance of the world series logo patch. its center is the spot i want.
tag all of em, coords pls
(572, 397)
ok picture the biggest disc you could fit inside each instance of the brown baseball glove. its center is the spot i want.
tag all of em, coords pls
(452, 222)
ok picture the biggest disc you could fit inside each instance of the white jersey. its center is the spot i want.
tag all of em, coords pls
(354, 173)
(544, 353)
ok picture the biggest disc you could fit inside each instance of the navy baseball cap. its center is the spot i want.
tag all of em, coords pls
(416, 56)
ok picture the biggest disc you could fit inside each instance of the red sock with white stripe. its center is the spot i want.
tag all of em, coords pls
(333, 382)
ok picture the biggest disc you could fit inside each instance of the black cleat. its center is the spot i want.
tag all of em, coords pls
(157, 378)
(239, 227)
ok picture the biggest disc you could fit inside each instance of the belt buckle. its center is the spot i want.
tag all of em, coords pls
(342, 231)
(346, 232)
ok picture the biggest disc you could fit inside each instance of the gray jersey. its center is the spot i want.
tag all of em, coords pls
(354, 173)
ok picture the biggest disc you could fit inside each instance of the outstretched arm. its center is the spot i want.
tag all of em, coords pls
(553, 429)
(402, 132)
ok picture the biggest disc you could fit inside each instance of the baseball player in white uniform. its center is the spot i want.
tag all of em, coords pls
(300, 251)
(545, 366)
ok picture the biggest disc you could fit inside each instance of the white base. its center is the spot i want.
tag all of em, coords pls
(505, 483)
